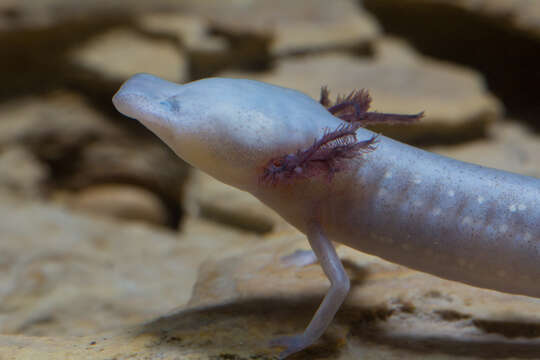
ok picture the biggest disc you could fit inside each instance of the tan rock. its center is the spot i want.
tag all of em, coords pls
(295, 26)
(244, 299)
(21, 173)
(120, 201)
(207, 53)
(497, 37)
(52, 124)
(521, 14)
(391, 312)
(454, 98)
(29, 14)
(192, 31)
(510, 146)
(85, 147)
(62, 273)
(149, 164)
(121, 53)
(210, 199)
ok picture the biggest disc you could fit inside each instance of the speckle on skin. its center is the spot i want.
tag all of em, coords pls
(417, 180)
(467, 220)
(418, 203)
(480, 199)
(437, 211)
(451, 193)
(522, 207)
(512, 208)
(503, 228)
(388, 175)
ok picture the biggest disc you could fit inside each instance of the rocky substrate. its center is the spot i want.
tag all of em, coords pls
(113, 248)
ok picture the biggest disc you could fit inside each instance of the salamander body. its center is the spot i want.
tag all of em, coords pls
(336, 181)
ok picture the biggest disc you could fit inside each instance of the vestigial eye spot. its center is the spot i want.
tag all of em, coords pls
(172, 104)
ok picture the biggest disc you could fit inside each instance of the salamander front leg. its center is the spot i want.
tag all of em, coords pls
(299, 258)
(333, 299)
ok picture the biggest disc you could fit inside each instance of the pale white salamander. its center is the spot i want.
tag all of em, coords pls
(333, 180)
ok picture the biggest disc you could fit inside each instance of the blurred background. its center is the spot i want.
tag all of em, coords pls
(93, 207)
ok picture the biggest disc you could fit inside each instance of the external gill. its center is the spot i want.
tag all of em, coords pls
(353, 108)
(326, 156)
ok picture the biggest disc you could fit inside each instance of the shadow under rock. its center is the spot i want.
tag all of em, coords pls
(483, 349)
(217, 323)
(290, 315)
(180, 329)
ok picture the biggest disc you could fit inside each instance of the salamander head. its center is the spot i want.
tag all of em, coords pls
(229, 128)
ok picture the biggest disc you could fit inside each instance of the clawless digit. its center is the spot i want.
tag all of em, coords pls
(316, 165)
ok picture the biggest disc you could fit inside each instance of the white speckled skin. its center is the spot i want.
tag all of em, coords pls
(456, 220)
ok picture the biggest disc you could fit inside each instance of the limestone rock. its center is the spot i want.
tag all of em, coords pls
(21, 173)
(206, 52)
(295, 26)
(454, 98)
(120, 201)
(242, 301)
(193, 32)
(52, 125)
(84, 147)
(149, 164)
(210, 199)
(28, 14)
(521, 14)
(510, 146)
(121, 53)
(391, 312)
(62, 273)
(473, 32)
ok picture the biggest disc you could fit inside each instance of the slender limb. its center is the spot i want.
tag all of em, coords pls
(300, 258)
(332, 301)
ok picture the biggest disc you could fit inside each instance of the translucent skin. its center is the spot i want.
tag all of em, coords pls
(453, 219)
(456, 220)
